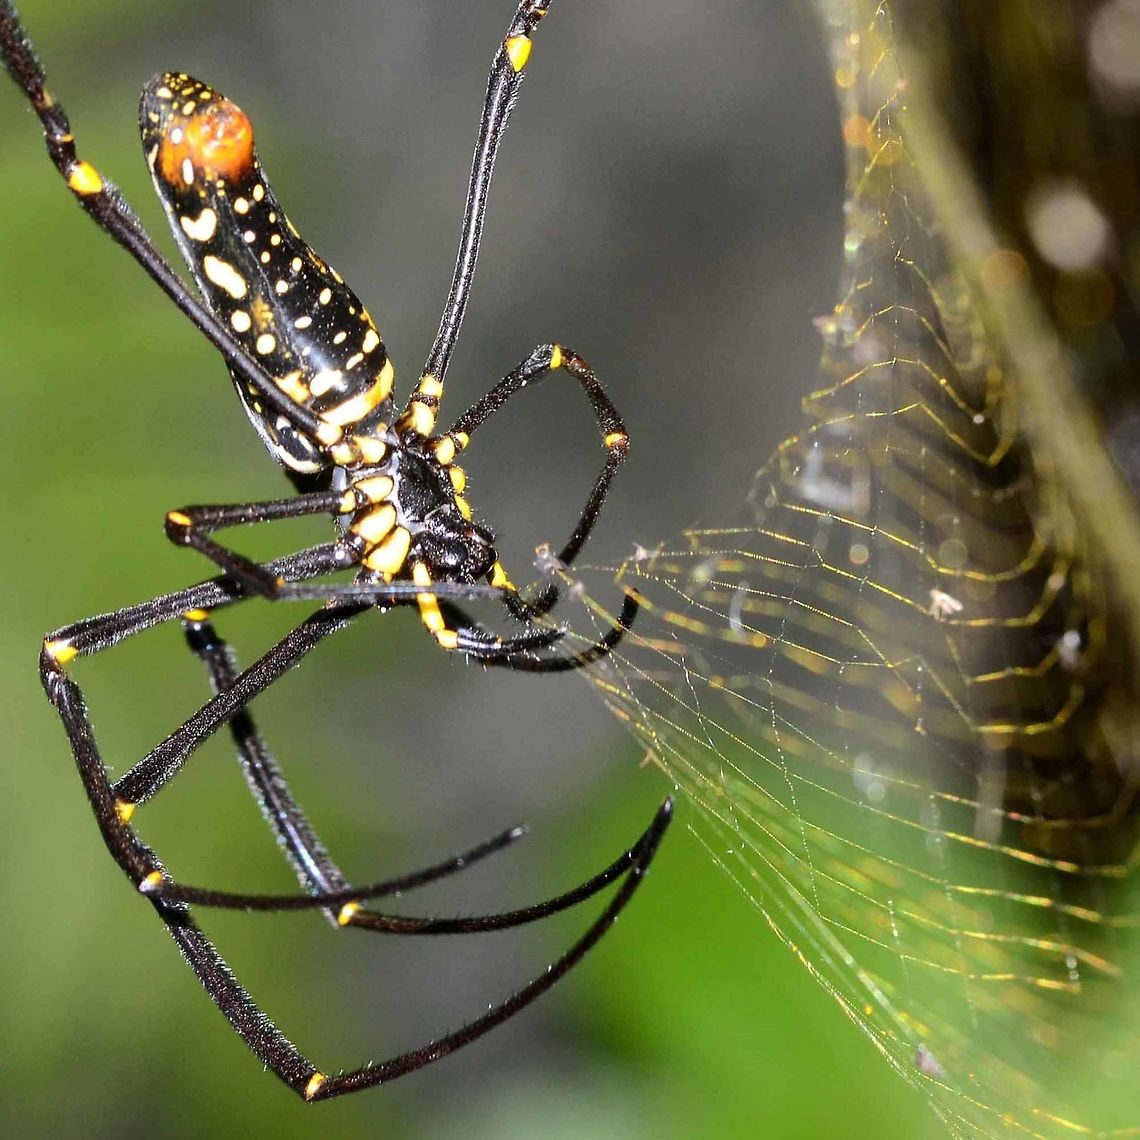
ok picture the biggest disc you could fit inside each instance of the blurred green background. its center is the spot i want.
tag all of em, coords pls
(668, 203)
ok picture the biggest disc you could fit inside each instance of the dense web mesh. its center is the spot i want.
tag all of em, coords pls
(883, 689)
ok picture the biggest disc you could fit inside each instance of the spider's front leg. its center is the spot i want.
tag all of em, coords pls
(518, 653)
(193, 526)
(544, 361)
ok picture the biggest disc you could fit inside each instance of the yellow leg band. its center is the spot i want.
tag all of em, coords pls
(61, 651)
(346, 913)
(518, 51)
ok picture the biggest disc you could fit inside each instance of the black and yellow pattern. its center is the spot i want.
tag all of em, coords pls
(313, 375)
(288, 308)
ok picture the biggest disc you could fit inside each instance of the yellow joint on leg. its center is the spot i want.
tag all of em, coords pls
(429, 385)
(196, 615)
(500, 579)
(429, 607)
(445, 450)
(316, 1083)
(556, 357)
(448, 639)
(376, 488)
(61, 651)
(151, 882)
(178, 518)
(346, 913)
(462, 439)
(389, 556)
(419, 418)
(84, 179)
(376, 525)
(368, 449)
(430, 613)
(431, 617)
(518, 51)
(124, 810)
(615, 438)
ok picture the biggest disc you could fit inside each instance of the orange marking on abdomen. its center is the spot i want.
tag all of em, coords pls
(218, 141)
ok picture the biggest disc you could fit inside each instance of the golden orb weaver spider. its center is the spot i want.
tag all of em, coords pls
(314, 378)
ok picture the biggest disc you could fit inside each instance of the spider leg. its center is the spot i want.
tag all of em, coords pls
(349, 912)
(455, 629)
(315, 869)
(163, 761)
(520, 657)
(105, 204)
(95, 634)
(484, 645)
(266, 1041)
(593, 652)
(545, 360)
(503, 83)
(193, 526)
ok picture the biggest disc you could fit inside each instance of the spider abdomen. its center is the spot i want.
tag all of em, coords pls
(291, 310)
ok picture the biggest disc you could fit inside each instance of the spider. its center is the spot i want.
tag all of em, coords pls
(314, 378)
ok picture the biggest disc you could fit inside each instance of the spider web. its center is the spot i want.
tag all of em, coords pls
(884, 689)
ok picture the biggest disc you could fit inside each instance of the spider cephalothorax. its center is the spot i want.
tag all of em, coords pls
(409, 511)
